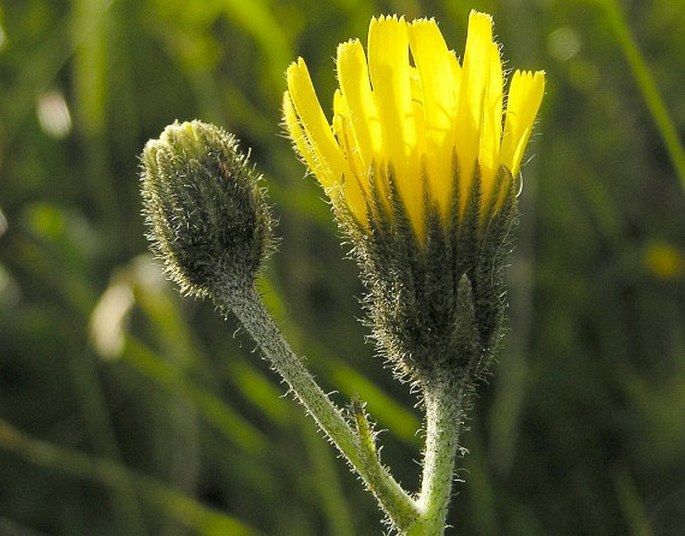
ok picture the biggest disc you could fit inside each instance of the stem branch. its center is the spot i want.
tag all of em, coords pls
(397, 504)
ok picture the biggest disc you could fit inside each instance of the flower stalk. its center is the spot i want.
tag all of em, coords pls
(355, 447)
(445, 407)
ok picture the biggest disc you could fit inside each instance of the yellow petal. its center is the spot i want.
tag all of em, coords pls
(355, 191)
(417, 100)
(472, 91)
(391, 80)
(302, 145)
(353, 76)
(410, 112)
(330, 165)
(523, 102)
(436, 68)
(491, 127)
(343, 132)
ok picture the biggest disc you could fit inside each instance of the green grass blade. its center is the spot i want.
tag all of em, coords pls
(180, 507)
(647, 85)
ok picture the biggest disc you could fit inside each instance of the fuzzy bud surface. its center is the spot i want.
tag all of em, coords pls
(207, 216)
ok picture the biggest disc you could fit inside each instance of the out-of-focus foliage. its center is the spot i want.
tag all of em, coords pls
(142, 413)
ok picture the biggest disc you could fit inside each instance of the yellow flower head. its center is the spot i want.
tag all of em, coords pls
(408, 117)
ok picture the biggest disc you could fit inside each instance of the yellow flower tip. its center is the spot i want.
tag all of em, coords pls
(387, 19)
(408, 104)
(345, 46)
(424, 21)
(294, 69)
(480, 22)
(525, 97)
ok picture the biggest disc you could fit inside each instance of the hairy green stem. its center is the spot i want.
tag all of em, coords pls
(247, 306)
(444, 404)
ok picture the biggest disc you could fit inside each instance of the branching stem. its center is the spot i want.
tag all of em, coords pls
(397, 504)
(444, 404)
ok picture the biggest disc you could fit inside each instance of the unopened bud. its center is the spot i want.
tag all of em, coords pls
(207, 216)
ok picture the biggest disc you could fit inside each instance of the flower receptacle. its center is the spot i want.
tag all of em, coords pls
(436, 307)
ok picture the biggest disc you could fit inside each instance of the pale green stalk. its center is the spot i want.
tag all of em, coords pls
(396, 503)
(444, 405)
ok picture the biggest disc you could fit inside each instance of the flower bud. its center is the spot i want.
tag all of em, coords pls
(207, 216)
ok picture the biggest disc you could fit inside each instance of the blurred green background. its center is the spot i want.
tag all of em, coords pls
(127, 410)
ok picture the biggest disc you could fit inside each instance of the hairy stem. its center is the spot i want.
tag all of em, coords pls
(444, 404)
(247, 306)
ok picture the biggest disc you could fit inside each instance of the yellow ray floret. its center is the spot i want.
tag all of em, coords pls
(525, 96)
(404, 110)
